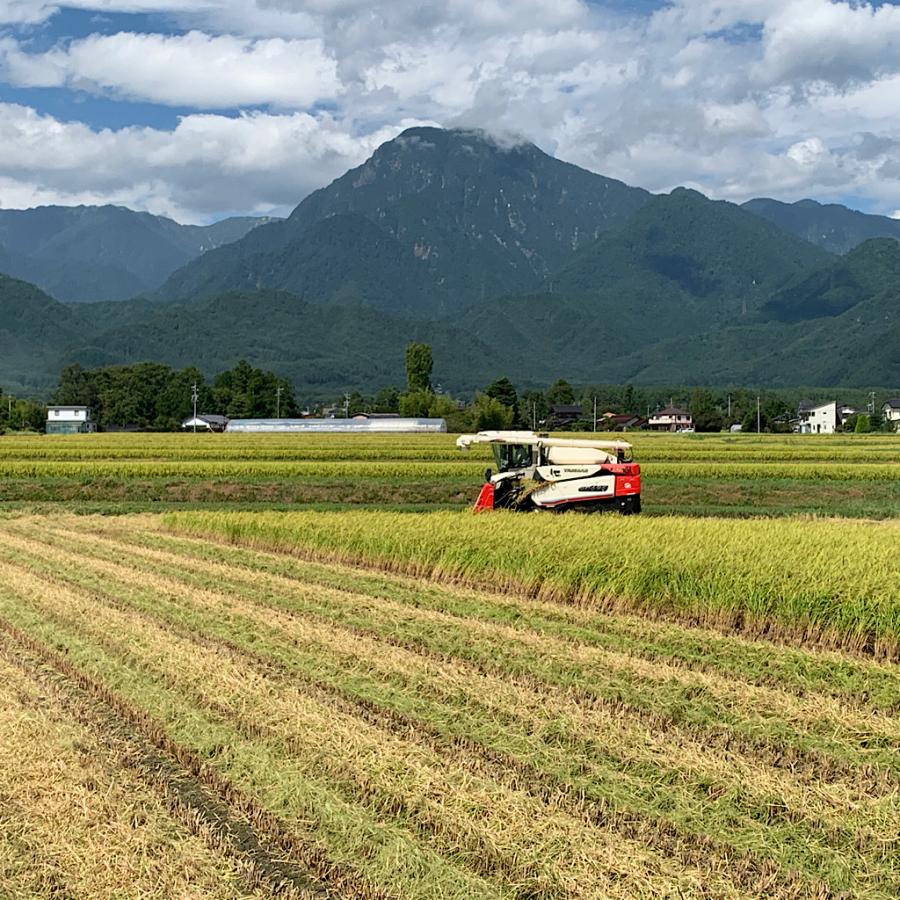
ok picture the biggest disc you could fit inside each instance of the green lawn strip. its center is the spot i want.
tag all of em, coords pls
(833, 581)
(704, 808)
(871, 685)
(684, 703)
(383, 852)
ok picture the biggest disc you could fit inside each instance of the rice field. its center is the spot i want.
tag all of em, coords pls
(300, 667)
(734, 475)
(322, 705)
(649, 447)
(834, 582)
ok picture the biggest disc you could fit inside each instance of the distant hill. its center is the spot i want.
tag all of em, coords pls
(870, 269)
(34, 329)
(685, 263)
(831, 226)
(459, 218)
(87, 253)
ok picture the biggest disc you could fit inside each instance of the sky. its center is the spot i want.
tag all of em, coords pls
(199, 109)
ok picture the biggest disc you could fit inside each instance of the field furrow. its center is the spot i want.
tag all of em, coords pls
(682, 697)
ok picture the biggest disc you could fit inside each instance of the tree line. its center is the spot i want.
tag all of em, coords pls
(154, 396)
(157, 397)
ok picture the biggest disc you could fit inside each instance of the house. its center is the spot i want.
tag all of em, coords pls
(890, 412)
(823, 419)
(375, 415)
(205, 422)
(564, 416)
(69, 420)
(623, 421)
(672, 418)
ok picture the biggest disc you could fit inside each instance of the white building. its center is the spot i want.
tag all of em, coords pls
(891, 412)
(69, 420)
(671, 419)
(205, 422)
(824, 419)
(819, 419)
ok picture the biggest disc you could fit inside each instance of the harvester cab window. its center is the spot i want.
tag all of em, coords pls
(512, 456)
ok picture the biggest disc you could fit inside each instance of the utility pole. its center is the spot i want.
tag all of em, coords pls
(278, 391)
(871, 404)
(346, 406)
(595, 412)
(194, 395)
(534, 415)
(729, 408)
(758, 429)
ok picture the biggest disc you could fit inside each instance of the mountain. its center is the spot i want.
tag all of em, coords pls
(685, 263)
(33, 330)
(86, 253)
(831, 226)
(322, 348)
(506, 261)
(454, 217)
(871, 269)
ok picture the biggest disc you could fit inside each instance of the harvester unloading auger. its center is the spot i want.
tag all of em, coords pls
(536, 471)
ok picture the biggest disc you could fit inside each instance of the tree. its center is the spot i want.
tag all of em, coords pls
(561, 394)
(705, 411)
(244, 392)
(489, 414)
(419, 365)
(863, 424)
(503, 391)
(387, 400)
(534, 408)
(425, 405)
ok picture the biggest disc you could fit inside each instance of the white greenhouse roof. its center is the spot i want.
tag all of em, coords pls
(339, 426)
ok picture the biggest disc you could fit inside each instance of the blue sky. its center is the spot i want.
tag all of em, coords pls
(200, 108)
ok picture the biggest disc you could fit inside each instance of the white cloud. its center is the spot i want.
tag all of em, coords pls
(836, 43)
(790, 98)
(209, 163)
(193, 69)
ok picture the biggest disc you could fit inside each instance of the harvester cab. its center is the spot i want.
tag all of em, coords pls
(536, 471)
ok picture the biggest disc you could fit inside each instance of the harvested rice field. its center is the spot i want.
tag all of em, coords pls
(192, 708)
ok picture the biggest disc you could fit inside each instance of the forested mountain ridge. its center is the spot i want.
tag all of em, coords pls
(830, 226)
(462, 219)
(88, 253)
(509, 263)
(869, 270)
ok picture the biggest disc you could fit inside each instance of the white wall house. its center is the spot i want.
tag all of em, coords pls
(670, 419)
(891, 412)
(822, 419)
(69, 420)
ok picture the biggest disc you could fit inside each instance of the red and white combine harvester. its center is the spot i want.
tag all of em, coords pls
(536, 471)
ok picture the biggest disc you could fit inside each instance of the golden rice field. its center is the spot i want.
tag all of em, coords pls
(270, 691)
(330, 705)
(733, 475)
(649, 447)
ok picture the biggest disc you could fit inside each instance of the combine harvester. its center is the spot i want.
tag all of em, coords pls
(536, 471)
